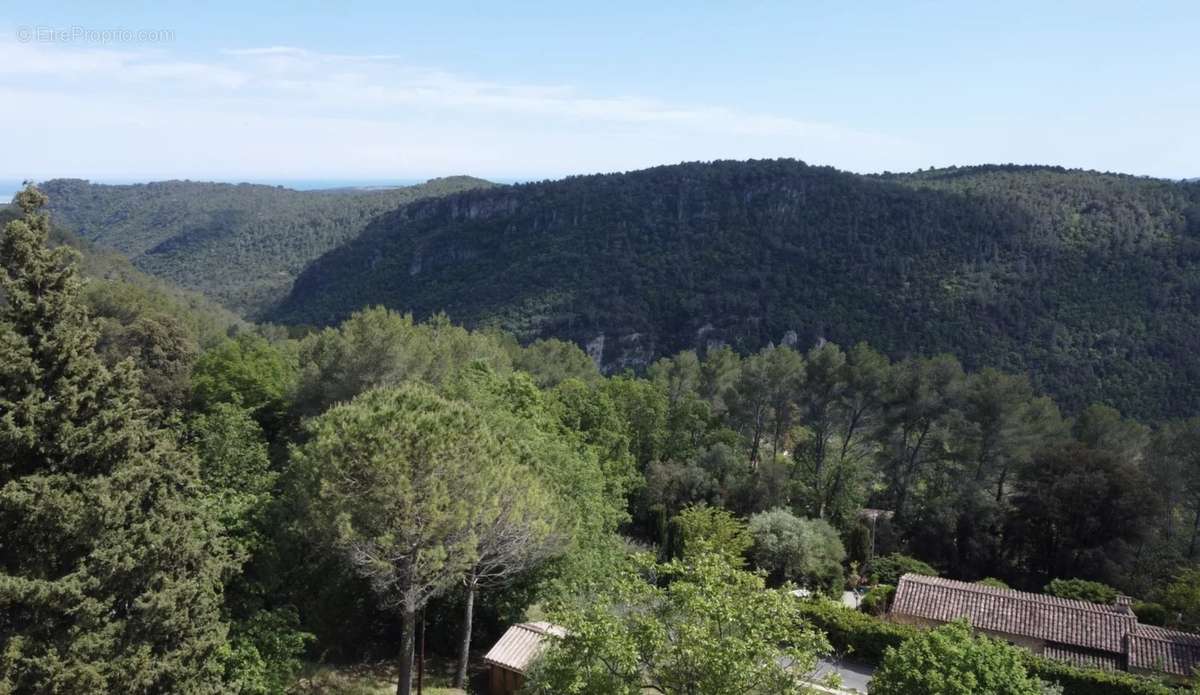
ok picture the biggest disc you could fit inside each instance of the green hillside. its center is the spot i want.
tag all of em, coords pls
(241, 245)
(1089, 281)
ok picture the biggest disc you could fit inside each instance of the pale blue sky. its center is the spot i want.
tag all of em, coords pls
(383, 90)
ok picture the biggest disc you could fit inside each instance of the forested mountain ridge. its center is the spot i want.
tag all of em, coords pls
(241, 244)
(1088, 281)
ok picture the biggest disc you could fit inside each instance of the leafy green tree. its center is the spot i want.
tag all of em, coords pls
(266, 651)
(689, 417)
(552, 502)
(1174, 466)
(1082, 590)
(552, 361)
(672, 487)
(922, 397)
(399, 479)
(1151, 613)
(878, 599)
(163, 350)
(705, 529)
(706, 628)
(840, 406)
(1007, 423)
(718, 373)
(515, 536)
(889, 568)
(951, 661)
(239, 483)
(805, 551)
(1182, 596)
(379, 347)
(111, 572)
(760, 400)
(1102, 428)
(589, 412)
(236, 471)
(252, 372)
(1077, 508)
(643, 408)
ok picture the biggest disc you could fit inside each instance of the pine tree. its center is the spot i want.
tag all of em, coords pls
(110, 570)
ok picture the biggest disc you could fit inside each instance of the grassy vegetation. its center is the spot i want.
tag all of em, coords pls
(372, 679)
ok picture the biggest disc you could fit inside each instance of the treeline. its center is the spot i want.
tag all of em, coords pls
(190, 510)
(1083, 280)
(241, 245)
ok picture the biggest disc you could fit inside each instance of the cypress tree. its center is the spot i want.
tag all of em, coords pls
(110, 566)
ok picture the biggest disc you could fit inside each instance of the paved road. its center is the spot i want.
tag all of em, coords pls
(855, 676)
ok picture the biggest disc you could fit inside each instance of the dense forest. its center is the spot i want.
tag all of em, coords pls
(191, 506)
(241, 245)
(1086, 281)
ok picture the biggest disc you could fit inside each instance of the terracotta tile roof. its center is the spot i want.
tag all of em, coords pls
(520, 645)
(1085, 658)
(1048, 618)
(1159, 649)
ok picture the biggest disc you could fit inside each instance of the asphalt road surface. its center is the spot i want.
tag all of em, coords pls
(855, 676)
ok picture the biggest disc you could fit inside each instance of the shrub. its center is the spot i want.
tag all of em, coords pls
(950, 660)
(878, 599)
(854, 633)
(1151, 613)
(993, 582)
(889, 568)
(806, 551)
(1082, 590)
(1089, 681)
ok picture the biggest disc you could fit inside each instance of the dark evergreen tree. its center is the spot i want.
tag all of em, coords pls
(110, 570)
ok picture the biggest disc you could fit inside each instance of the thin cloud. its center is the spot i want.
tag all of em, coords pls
(388, 115)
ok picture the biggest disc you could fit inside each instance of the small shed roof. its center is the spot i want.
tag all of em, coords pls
(521, 644)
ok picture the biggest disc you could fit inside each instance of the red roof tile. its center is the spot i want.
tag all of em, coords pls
(1047, 618)
(1085, 658)
(1159, 649)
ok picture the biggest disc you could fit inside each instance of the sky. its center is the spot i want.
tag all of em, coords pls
(529, 90)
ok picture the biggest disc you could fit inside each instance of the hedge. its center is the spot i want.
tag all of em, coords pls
(850, 632)
(867, 638)
(1090, 681)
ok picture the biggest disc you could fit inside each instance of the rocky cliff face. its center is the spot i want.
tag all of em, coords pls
(1085, 280)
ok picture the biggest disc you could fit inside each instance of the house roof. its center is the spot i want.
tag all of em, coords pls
(1079, 632)
(1048, 618)
(1159, 649)
(521, 644)
(1085, 658)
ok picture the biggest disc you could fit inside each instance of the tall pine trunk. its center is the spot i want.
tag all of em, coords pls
(464, 649)
(404, 684)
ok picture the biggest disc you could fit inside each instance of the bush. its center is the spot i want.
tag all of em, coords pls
(1082, 590)
(853, 633)
(889, 568)
(951, 660)
(1088, 681)
(992, 582)
(1151, 613)
(878, 599)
